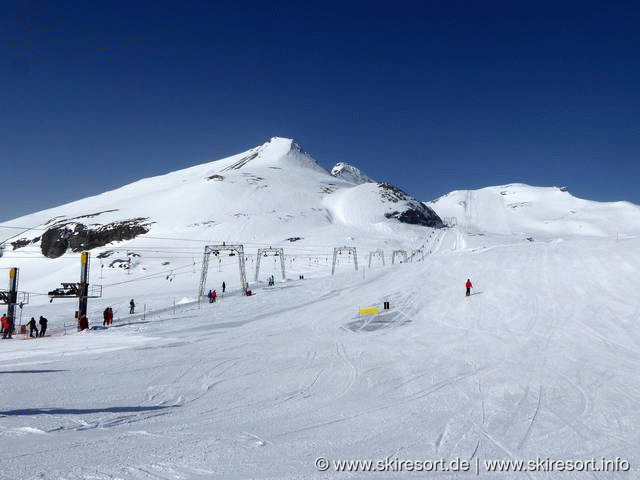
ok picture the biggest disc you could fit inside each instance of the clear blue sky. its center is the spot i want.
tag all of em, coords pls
(431, 96)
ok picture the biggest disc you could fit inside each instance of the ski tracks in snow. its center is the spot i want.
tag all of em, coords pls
(349, 367)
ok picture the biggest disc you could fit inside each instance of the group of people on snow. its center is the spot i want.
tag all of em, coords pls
(212, 295)
(107, 316)
(32, 327)
(8, 327)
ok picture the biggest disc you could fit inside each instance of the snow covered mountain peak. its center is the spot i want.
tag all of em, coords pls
(350, 173)
(267, 194)
(278, 147)
(276, 153)
(522, 209)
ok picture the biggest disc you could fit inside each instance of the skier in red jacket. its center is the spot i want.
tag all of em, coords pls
(6, 327)
(469, 287)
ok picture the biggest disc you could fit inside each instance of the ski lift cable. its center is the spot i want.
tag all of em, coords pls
(306, 247)
(148, 277)
(161, 273)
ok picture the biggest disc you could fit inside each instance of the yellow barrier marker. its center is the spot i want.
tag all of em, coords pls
(369, 311)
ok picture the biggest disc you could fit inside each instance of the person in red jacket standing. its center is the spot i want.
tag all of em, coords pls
(469, 287)
(6, 327)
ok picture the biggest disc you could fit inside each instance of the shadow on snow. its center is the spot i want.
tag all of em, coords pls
(371, 323)
(31, 371)
(80, 411)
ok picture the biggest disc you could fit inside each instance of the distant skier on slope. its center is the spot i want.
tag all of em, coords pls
(132, 306)
(224, 287)
(469, 286)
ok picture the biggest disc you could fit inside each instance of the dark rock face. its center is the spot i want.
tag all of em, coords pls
(417, 212)
(426, 217)
(56, 240)
(23, 242)
(418, 217)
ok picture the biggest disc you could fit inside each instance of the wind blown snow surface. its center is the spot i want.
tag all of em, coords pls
(539, 364)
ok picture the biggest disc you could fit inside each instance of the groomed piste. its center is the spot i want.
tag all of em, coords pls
(540, 362)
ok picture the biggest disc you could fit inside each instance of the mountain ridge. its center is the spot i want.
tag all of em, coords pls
(273, 191)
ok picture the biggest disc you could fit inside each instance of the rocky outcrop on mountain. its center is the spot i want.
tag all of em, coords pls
(23, 242)
(417, 213)
(78, 237)
(350, 173)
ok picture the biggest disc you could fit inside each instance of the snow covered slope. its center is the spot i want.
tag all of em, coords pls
(539, 364)
(272, 195)
(253, 196)
(543, 211)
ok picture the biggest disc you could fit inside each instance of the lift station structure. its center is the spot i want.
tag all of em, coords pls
(338, 251)
(378, 253)
(402, 254)
(270, 252)
(79, 290)
(217, 250)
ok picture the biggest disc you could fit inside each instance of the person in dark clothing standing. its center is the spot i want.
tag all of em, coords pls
(132, 306)
(224, 287)
(105, 317)
(469, 287)
(43, 325)
(32, 327)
